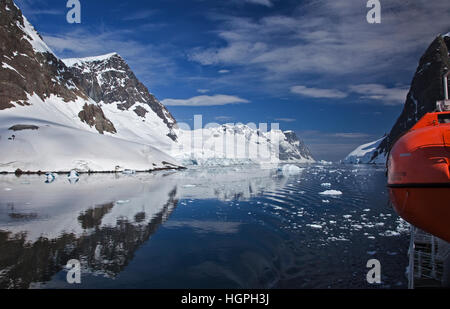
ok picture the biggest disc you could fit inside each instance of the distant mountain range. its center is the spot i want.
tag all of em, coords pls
(93, 114)
(426, 89)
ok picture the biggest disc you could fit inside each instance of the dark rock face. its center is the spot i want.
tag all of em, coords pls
(26, 70)
(301, 150)
(110, 80)
(93, 115)
(426, 89)
(21, 127)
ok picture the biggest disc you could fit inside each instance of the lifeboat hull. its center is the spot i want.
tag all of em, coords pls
(419, 175)
(426, 208)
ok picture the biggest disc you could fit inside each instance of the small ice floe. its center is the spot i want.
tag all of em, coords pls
(390, 233)
(371, 252)
(331, 192)
(128, 172)
(50, 177)
(347, 216)
(291, 170)
(325, 201)
(315, 226)
(326, 185)
(73, 175)
(366, 210)
(341, 238)
(121, 202)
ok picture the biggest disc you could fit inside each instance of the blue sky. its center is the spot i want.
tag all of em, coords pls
(316, 67)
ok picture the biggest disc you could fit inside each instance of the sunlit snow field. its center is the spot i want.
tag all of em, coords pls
(233, 227)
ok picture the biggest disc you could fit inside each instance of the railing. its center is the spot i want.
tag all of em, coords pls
(429, 261)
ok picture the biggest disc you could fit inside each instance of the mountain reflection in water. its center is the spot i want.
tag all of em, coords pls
(218, 227)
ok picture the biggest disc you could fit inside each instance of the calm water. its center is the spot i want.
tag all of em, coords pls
(214, 228)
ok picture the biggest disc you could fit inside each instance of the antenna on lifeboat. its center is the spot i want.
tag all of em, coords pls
(444, 105)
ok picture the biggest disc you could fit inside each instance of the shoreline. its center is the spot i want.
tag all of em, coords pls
(19, 173)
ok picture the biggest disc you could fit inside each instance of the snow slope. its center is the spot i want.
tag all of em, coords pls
(63, 143)
(365, 153)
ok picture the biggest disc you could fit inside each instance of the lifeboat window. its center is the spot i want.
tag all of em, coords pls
(444, 118)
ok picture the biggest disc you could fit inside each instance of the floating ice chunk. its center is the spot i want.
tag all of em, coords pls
(121, 202)
(315, 226)
(291, 170)
(327, 185)
(331, 192)
(338, 239)
(128, 172)
(325, 201)
(390, 233)
(347, 216)
(50, 177)
(189, 186)
(73, 175)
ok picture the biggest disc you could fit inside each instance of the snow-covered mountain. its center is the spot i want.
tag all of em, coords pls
(426, 89)
(93, 114)
(110, 82)
(364, 154)
(49, 122)
(233, 144)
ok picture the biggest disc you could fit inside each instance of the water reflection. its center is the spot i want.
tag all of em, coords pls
(229, 227)
(101, 219)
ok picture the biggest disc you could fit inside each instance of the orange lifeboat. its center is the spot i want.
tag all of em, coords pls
(419, 173)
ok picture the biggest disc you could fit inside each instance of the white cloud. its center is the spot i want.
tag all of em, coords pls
(139, 15)
(351, 135)
(205, 100)
(224, 71)
(223, 118)
(267, 3)
(203, 90)
(318, 93)
(329, 37)
(286, 119)
(388, 96)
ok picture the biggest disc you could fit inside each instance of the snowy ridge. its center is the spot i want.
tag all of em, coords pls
(79, 61)
(365, 154)
(32, 36)
(137, 115)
